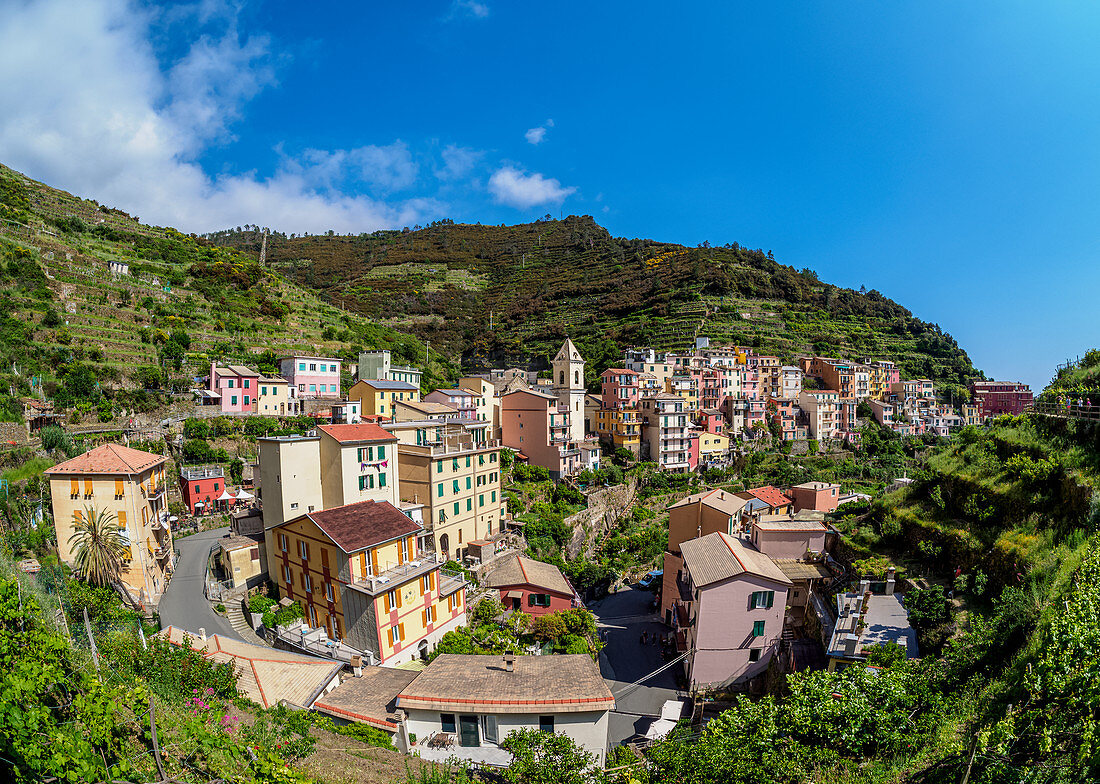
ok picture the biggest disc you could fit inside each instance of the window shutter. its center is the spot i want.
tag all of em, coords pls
(79, 515)
(302, 579)
(87, 486)
(412, 547)
(363, 565)
(431, 580)
(771, 598)
(401, 631)
(324, 557)
(530, 600)
(374, 562)
(118, 487)
(398, 595)
(386, 599)
(121, 519)
(424, 618)
(74, 487)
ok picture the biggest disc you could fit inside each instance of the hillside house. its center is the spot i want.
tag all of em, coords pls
(532, 587)
(312, 376)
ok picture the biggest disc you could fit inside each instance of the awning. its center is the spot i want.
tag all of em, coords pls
(244, 495)
(199, 503)
(206, 393)
(514, 595)
(225, 496)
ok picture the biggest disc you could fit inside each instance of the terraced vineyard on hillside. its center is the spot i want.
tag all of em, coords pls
(510, 294)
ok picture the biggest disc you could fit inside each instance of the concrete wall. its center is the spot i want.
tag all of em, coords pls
(788, 544)
(588, 730)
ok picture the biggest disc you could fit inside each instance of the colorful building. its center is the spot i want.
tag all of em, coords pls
(312, 376)
(130, 485)
(1000, 397)
(359, 572)
(358, 463)
(200, 487)
(532, 587)
(236, 387)
(379, 397)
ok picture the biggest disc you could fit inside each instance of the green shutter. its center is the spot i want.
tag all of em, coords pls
(440, 486)
(381, 453)
(382, 480)
(758, 629)
(771, 597)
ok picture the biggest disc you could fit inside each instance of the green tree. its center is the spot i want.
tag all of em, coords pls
(98, 546)
(546, 758)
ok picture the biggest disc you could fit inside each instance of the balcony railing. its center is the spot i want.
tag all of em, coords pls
(399, 574)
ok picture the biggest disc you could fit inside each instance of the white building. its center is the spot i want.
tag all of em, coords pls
(478, 700)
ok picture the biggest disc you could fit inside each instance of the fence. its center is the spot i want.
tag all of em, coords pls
(1071, 409)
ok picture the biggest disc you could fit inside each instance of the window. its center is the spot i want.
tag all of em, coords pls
(758, 629)
(454, 485)
(492, 457)
(312, 387)
(263, 391)
(467, 461)
(282, 542)
(481, 500)
(301, 366)
(761, 600)
(366, 482)
(754, 654)
(439, 489)
(303, 550)
(233, 400)
(382, 480)
(122, 519)
(197, 490)
(546, 723)
(468, 483)
(381, 449)
(247, 384)
(494, 496)
(429, 615)
(439, 466)
(247, 400)
(469, 504)
(538, 600)
(329, 593)
(447, 722)
(454, 464)
(391, 599)
(312, 365)
(491, 732)
(292, 506)
(307, 582)
(230, 383)
(286, 575)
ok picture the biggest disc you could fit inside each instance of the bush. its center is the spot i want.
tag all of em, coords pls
(260, 604)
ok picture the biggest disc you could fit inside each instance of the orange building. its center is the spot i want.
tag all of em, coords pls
(358, 571)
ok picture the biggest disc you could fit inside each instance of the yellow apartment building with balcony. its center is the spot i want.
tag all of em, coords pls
(130, 484)
(620, 428)
(359, 572)
(453, 468)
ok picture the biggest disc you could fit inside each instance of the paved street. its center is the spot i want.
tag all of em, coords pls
(622, 617)
(184, 605)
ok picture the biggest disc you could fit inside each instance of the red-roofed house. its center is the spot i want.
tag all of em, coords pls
(765, 500)
(130, 485)
(359, 573)
(531, 587)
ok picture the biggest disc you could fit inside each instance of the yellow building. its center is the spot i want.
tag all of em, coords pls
(359, 572)
(687, 389)
(454, 470)
(713, 447)
(378, 397)
(273, 398)
(129, 484)
(358, 463)
(620, 428)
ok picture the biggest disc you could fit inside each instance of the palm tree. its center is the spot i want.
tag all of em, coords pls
(98, 546)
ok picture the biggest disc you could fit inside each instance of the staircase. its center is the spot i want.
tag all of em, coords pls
(235, 614)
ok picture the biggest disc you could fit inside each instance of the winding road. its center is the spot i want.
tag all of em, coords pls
(184, 605)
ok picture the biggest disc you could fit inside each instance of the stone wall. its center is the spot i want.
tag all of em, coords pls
(604, 507)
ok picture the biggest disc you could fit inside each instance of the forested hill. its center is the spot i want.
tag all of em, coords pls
(511, 293)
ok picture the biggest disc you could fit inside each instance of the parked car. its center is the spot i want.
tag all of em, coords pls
(652, 579)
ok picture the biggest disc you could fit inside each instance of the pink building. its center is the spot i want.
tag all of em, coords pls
(312, 376)
(730, 610)
(532, 587)
(536, 426)
(818, 496)
(236, 385)
(693, 449)
(462, 399)
(620, 388)
(785, 537)
(710, 420)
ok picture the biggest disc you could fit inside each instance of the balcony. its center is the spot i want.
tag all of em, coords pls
(454, 445)
(399, 574)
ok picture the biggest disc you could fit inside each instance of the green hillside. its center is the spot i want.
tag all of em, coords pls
(511, 293)
(71, 321)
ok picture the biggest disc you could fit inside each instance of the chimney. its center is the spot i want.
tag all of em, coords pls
(509, 662)
(357, 666)
(202, 633)
(890, 581)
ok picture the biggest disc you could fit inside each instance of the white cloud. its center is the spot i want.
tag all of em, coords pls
(517, 188)
(537, 134)
(458, 161)
(467, 8)
(88, 107)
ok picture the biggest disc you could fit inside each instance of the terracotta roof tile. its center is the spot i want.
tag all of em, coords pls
(769, 495)
(347, 434)
(108, 459)
(520, 570)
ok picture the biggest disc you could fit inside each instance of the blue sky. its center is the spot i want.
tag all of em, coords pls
(945, 154)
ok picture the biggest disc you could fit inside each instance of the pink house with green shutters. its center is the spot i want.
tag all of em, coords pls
(312, 376)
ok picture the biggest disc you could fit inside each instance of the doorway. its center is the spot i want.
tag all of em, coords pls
(468, 732)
